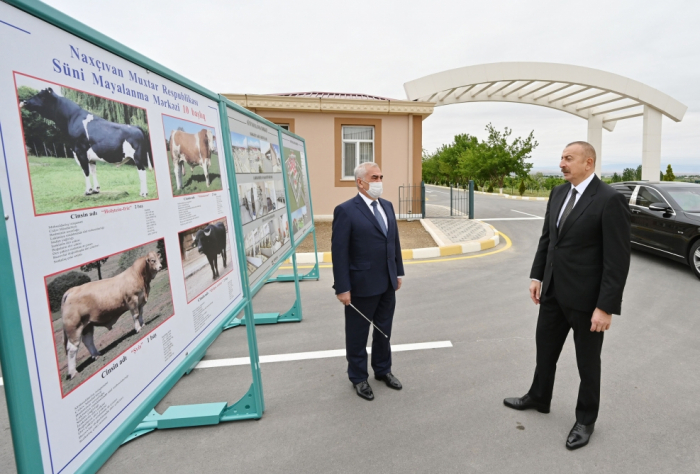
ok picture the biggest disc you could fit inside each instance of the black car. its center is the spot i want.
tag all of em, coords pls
(665, 219)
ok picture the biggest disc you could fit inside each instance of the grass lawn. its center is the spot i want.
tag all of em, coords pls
(58, 184)
(193, 181)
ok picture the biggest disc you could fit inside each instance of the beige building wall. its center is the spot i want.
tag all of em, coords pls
(397, 144)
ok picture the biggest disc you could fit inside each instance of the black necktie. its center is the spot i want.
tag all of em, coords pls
(568, 208)
(378, 216)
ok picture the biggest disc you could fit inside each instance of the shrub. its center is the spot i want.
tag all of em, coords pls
(490, 190)
(521, 189)
(63, 283)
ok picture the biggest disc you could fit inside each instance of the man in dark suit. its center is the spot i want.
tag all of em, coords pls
(578, 277)
(367, 269)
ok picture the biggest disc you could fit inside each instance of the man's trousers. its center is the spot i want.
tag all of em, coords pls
(553, 326)
(380, 310)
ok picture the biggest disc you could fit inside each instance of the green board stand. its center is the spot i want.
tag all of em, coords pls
(16, 368)
(294, 313)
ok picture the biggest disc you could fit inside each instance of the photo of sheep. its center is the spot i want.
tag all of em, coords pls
(100, 309)
(206, 256)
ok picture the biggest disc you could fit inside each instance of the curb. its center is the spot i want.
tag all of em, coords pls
(413, 254)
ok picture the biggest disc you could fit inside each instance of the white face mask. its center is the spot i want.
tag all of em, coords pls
(375, 189)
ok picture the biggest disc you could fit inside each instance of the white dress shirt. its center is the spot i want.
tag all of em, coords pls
(369, 202)
(579, 191)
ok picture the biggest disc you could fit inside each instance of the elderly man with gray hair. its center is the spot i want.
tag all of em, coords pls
(367, 269)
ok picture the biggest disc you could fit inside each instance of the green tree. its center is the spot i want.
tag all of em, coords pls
(490, 161)
(615, 178)
(521, 189)
(669, 176)
(629, 174)
(96, 265)
(638, 173)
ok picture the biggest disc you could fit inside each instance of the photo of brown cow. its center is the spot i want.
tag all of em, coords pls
(206, 256)
(100, 309)
(193, 156)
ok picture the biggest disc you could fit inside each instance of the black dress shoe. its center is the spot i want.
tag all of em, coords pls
(364, 390)
(579, 436)
(391, 381)
(524, 403)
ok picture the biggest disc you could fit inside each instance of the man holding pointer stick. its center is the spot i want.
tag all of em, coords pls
(578, 277)
(367, 269)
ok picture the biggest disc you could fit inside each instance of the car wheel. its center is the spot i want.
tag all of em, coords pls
(694, 258)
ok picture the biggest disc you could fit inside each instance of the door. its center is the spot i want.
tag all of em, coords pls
(656, 229)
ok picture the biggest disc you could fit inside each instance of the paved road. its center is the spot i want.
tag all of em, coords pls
(489, 207)
(449, 417)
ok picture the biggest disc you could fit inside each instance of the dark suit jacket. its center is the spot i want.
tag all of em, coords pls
(589, 257)
(364, 260)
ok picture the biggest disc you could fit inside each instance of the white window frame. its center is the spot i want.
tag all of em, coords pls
(357, 149)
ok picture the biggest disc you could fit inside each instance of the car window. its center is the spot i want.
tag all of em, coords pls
(687, 199)
(647, 196)
(625, 189)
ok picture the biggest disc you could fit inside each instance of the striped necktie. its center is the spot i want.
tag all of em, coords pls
(378, 216)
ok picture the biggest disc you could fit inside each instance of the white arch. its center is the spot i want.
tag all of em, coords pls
(602, 98)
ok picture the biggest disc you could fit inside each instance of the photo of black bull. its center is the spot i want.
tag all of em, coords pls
(92, 138)
(211, 241)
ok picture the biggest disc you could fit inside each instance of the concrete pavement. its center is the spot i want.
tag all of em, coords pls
(449, 417)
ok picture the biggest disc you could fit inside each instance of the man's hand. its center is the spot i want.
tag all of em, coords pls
(535, 289)
(344, 298)
(398, 286)
(600, 321)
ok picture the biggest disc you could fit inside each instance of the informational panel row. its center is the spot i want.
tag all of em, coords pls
(120, 221)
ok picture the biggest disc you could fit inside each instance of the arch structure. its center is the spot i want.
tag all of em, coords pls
(602, 98)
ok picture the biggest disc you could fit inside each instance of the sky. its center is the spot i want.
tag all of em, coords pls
(374, 47)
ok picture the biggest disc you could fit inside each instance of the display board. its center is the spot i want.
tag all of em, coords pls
(296, 177)
(119, 221)
(261, 193)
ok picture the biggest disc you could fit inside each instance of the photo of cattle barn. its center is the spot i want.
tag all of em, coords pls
(206, 256)
(193, 157)
(102, 308)
(62, 126)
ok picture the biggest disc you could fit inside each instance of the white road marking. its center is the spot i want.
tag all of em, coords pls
(208, 364)
(531, 215)
(513, 219)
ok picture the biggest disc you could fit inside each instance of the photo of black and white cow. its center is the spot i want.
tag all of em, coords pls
(61, 122)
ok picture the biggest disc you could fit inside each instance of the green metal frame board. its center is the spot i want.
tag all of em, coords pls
(149, 232)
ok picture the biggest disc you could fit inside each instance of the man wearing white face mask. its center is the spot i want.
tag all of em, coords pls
(367, 269)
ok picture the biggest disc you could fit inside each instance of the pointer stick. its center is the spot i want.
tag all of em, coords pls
(375, 326)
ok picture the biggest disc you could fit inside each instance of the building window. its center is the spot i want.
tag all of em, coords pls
(284, 125)
(358, 147)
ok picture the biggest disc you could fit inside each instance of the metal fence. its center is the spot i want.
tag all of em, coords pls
(461, 200)
(412, 203)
